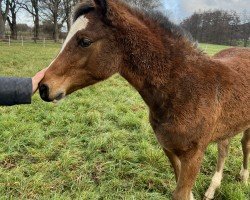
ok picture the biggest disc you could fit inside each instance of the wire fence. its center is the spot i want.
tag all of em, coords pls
(22, 41)
(43, 41)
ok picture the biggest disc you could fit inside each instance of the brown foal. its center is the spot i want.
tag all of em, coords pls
(193, 99)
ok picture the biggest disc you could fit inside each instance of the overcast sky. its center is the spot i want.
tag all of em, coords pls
(180, 9)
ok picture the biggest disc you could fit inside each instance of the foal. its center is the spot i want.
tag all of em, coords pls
(193, 99)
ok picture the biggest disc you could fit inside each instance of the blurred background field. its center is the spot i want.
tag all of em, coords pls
(95, 144)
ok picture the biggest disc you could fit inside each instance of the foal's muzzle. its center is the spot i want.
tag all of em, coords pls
(44, 92)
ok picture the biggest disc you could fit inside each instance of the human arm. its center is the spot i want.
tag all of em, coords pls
(15, 91)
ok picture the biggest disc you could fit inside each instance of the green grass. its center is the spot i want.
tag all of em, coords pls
(96, 144)
(212, 49)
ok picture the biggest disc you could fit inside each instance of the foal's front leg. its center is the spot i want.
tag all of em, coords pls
(190, 166)
(175, 162)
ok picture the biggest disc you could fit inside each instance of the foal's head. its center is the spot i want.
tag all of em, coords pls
(89, 54)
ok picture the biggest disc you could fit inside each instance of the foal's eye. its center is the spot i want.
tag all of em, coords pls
(85, 42)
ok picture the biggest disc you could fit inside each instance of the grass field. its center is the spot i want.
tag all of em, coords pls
(96, 144)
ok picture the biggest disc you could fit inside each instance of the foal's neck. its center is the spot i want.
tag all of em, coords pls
(153, 58)
(152, 55)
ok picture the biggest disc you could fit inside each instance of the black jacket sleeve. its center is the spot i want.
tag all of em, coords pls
(15, 91)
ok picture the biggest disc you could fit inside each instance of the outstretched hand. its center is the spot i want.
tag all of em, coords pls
(37, 79)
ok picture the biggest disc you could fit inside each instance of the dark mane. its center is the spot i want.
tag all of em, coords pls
(163, 21)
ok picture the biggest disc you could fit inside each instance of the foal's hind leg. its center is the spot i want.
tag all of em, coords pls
(216, 180)
(246, 153)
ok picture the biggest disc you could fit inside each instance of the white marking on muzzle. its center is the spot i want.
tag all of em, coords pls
(80, 24)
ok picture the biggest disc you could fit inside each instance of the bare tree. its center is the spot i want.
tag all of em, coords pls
(68, 6)
(53, 10)
(146, 4)
(245, 27)
(14, 8)
(4, 10)
(193, 23)
(234, 27)
(32, 7)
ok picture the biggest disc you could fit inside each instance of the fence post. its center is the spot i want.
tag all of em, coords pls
(9, 40)
(206, 48)
(44, 42)
(22, 41)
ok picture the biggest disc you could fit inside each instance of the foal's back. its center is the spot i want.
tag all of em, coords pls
(236, 106)
(237, 59)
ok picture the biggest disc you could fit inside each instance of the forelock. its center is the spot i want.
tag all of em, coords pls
(82, 8)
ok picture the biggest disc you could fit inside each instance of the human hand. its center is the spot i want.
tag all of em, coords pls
(37, 79)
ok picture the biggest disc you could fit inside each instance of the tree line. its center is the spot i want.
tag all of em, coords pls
(219, 27)
(48, 15)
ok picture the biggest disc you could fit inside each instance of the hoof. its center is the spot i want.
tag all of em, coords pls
(244, 176)
(206, 198)
(209, 195)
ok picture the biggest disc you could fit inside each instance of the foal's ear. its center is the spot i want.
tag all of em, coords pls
(101, 6)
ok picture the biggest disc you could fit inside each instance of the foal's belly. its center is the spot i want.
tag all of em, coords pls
(229, 131)
(234, 119)
(171, 138)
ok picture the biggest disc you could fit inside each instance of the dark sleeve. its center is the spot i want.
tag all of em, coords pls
(14, 91)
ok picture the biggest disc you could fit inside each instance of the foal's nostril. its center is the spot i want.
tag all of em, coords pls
(44, 92)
